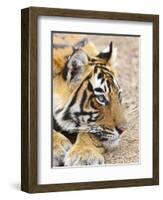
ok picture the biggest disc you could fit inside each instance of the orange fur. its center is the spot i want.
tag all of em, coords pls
(86, 146)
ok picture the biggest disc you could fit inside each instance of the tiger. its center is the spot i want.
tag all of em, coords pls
(88, 113)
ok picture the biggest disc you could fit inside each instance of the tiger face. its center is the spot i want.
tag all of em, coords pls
(91, 99)
(104, 96)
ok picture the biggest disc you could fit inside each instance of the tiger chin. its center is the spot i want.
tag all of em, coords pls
(88, 114)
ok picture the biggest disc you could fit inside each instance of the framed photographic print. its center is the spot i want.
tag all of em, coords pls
(90, 99)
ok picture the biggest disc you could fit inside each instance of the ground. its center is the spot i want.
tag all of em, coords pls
(128, 71)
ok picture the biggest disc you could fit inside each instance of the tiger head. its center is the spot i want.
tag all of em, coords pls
(95, 104)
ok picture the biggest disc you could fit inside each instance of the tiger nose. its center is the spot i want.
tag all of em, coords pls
(121, 129)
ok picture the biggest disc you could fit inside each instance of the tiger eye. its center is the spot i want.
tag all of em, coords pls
(101, 98)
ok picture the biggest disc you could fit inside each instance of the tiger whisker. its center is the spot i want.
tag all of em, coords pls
(134, 110)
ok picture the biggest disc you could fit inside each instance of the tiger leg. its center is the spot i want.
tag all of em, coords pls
(60, 147)
(84, 152)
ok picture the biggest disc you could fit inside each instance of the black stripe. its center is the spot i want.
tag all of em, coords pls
(105, 69)
(77, 91)
(92, 60)
(90, 88)
(102, 81)
(93, 105)
(83, 100)
(66, 115)
(58, 111)
(91, 97)
(65, 72)
(71, 136)
(85, 113)
(75, 96)
(100, 75)
(99, 90)
(95, 70)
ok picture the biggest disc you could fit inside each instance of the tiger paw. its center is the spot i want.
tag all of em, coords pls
(83, 156)
(61, 145)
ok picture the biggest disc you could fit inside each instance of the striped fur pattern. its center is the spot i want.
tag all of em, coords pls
(87, 106)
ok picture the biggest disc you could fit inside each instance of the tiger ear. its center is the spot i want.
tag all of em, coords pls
(109, 54)
(75, 66)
